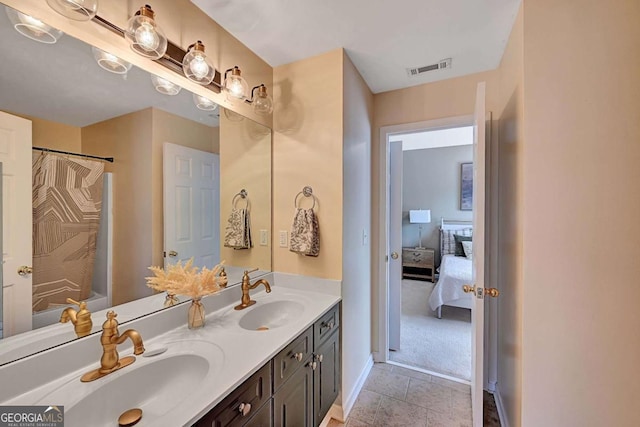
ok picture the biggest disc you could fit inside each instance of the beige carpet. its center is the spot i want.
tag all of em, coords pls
(439, 345)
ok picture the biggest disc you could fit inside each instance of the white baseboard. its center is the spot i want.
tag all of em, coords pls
(377, 357)
(504, 421)
(490, 386)
(347, 404)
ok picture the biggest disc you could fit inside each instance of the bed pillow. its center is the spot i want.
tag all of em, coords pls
(468, 249)
(459, 251)
(448, 243)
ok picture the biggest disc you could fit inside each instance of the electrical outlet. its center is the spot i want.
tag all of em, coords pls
(283, 239)
(264, 237)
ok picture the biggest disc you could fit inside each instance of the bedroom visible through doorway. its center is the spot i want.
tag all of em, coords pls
(433, 313)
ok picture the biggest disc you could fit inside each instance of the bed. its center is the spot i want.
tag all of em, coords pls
(455, 271)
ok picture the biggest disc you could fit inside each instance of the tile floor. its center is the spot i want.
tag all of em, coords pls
(395, 396)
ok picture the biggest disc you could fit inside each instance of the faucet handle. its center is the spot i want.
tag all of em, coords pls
(246, 272)
(72, 301)
(111, 321)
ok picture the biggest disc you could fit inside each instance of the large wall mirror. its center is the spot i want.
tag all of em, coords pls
(179, 170)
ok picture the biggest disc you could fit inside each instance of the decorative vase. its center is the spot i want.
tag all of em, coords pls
(196, 314)
(170, 300)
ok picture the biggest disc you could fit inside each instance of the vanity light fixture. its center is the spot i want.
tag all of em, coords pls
(261, 101)
(110, 62)
(235, 86)
(164, 86)
(79, 10)
(145, 37)
(197, 66)
(33, 28)
(203, 103)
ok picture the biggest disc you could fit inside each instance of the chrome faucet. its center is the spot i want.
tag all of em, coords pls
(81, 319)
(110, 338)
(246, 301)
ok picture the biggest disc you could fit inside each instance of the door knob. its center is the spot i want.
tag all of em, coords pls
(469, 289)
(25, 270)
(173, 253)
(492, 292)
(394, 255)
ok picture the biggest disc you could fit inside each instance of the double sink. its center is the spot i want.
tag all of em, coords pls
(179, 370)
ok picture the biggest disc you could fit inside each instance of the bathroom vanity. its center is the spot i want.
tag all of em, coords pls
(274, 363)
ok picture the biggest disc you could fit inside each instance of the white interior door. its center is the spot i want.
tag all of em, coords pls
(477, 313)
(15, 155)
(191, 205)
(395, 244)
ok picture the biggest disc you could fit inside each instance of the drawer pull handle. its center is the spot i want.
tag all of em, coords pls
(313, 365)
(329, 325)
(298, 356)
(319, 357)
(244, 408)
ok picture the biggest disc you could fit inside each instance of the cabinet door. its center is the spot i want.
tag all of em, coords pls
(326, 376)
(262, 418)
(293, 402)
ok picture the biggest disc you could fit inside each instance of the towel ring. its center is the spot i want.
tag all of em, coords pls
(306, 192)
(243, 195)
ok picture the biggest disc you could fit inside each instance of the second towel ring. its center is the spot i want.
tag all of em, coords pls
(306, 192)
(243, 195)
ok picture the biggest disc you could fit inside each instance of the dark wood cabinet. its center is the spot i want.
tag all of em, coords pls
(294, 389)
(293, 402)
(326, 376)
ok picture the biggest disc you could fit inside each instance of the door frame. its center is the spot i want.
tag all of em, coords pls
(381, 354)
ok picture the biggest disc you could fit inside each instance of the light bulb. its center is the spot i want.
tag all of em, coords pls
(236, 89)
(204, 103)
(164, 86)
(199, 67)
(235, 85)
(110, 62)
(147, 37)
(33, 28)
(79, 10)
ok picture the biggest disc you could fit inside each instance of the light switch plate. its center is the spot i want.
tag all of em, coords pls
(264, 237)
(283, 239)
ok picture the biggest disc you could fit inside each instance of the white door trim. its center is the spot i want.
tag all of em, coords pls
(382, 353)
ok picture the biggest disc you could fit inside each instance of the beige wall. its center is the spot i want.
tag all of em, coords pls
(509, 116)
(356, 228)
(54, 135)
(167, 127)
(307, 150)
(446, 98)
(245, 163)
(183, 24)
(580, 215)
(128, 139)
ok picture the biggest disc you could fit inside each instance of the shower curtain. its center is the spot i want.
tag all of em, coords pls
(67, 201)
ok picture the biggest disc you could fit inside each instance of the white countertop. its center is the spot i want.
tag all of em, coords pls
(233, 353)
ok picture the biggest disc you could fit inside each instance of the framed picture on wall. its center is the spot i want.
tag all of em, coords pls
(466, 186)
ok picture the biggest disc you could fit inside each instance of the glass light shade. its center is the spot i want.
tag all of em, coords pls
(164, 86)
(33, 28)
(79, 10)
(263, 103)
(235, 86)
(197, 66)
(204, 103)
(110, 62)
(144, 36)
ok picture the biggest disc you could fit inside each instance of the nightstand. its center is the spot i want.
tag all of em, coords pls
(418, 263)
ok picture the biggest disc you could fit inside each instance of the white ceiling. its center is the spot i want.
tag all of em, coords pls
(61, 82)
(382, 37)
(435, 138)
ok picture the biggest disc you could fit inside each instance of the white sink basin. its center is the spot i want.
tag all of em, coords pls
(158, 385)
(271, 315)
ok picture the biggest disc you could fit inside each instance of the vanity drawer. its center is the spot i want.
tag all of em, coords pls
(256, 391)
(326, 325)
(292, 357)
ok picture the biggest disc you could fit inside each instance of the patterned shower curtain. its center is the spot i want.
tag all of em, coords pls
(67, 201)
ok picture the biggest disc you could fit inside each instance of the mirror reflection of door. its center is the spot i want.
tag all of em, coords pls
(191, 182)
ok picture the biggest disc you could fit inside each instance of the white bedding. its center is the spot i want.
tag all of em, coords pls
(455, 271)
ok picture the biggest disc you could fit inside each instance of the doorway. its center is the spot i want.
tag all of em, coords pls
(429, 315)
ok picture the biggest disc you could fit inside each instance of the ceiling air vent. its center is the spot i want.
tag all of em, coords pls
(444, 64)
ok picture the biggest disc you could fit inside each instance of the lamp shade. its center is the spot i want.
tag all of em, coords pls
(422, 216)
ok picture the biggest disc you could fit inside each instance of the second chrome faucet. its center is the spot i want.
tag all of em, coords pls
(246, 301)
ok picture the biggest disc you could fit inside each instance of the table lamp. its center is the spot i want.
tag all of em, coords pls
(421, 216)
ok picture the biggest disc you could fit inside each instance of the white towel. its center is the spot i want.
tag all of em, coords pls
(305, 233)
(237, 233)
